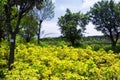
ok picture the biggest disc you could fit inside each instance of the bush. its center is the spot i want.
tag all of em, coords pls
(65, 63)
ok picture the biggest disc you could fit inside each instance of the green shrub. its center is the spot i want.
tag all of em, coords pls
(61, 62)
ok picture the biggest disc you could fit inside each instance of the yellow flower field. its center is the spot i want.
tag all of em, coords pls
(61, 63)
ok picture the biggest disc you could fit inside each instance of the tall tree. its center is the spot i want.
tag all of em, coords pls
(16, 9)
(106, 16)
(72, 25)
(45, 13)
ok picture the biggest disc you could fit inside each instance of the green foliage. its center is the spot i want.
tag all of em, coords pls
(72, 25)
(30, 26)
(2, 3)
(2, 20)
(105, 15)
(54, 41)
(60, 62)
(116, 50)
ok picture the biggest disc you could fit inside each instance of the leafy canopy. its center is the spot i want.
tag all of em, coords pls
(105, 15)
(72, 25)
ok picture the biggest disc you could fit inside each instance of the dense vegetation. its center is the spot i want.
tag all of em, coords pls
(34, 62)
(69, 57)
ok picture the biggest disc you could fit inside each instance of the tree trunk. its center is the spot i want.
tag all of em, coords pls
(28, 38)
(13, 40)
(39, 30)
(113, 44)
(12, 48)
(1, 34)
(72, 42)
(114, 41)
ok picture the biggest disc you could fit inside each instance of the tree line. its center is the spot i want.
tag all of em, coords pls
(24, 17)
(105, 15)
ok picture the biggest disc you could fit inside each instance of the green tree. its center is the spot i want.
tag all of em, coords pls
(105, 15)
(29, 24)
(72, 25)
(2, 20)
(45, 13)
(15, 10)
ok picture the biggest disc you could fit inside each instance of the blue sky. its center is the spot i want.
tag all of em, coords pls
(51, 29)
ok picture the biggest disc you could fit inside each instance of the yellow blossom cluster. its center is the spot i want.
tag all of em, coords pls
(62, 63)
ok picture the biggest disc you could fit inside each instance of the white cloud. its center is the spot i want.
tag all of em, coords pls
(90, 30)
(117, 1)
(50, 29)
(62, 8)
(75, 7)
(87, 4)
(53, 1)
